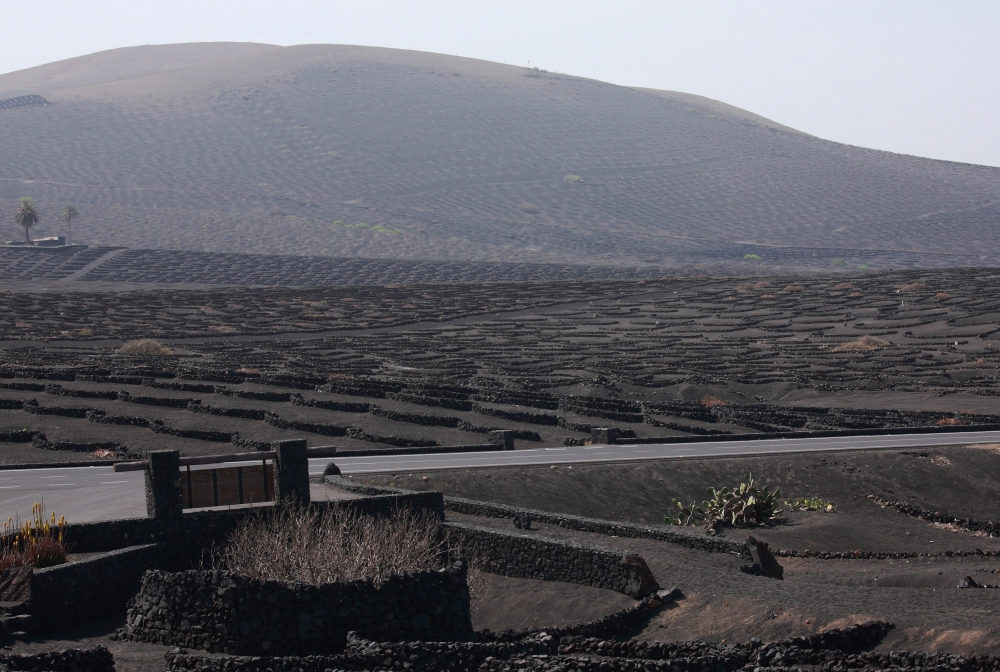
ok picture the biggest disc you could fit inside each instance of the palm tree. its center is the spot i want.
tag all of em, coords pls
(69, 213)
(26, 216)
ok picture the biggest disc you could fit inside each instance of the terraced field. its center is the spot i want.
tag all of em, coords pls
(24, 266)
(385, 154)
(377, 367)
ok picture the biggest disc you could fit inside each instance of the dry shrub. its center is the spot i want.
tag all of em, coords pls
(863, 344)
(855, 295)
(144, 346)
(729, 298)
(36, 543)
(318, 546)
(85, 332)
(793, 288)
(709, 401)
(843, 285)
(529, 208)
(103, 454)
(942, 295)
(949, 421)
(906, 287)
(761, 284)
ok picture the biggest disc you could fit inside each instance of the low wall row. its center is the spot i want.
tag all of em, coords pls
(570, 522)
(366, 655)
(544, 652)
(98, 659)
(219, 611)
(531, 557)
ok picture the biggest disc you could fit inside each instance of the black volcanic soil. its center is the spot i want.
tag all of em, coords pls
(275, 150)
(962, 480)
(381, 367)
(446, 363)
(916, 593)
(129, 656)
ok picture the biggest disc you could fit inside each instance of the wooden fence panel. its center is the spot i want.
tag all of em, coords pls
(228, 486)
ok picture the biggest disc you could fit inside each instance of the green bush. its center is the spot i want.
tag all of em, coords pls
(810, 504)
(745, 505)
(751, 257)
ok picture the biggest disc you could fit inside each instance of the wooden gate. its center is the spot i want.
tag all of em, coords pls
(228, 486)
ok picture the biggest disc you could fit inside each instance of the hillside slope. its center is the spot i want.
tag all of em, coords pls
(358, 151)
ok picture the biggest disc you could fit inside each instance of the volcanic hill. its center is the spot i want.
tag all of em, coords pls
(380, 153)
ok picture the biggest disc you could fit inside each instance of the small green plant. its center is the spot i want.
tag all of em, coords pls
(863, 267)
(685, 514)
(839, 262)
(751, 257)
(573, 178)
(810, 504)
(744, 506)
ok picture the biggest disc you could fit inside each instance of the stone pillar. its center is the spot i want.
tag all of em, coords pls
(604, 435)
(291, 472)
(163, 484)
(502, 437)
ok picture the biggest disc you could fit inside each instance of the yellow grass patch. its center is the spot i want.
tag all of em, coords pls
(911, 286)
(144, 346)
(863, 344)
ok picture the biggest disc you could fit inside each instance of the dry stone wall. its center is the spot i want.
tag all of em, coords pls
(532, 557)
(556, 650)
(224, 612)
(98, 659)
(78, 592)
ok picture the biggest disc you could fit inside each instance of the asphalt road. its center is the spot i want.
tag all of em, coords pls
(85, 494)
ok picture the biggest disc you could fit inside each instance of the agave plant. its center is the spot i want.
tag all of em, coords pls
(745, 505)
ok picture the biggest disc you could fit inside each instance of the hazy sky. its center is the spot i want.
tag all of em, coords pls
(902, 75)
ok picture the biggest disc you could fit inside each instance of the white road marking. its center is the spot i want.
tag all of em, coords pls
(88, 500)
